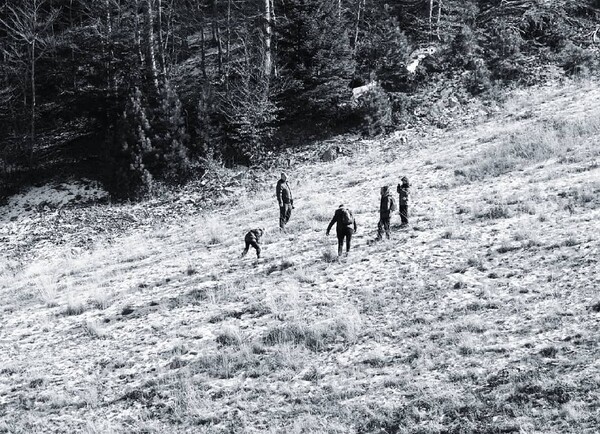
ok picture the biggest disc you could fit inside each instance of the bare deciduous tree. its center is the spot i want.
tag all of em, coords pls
(29, 25)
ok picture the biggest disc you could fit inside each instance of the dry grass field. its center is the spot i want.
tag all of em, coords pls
(482, 317)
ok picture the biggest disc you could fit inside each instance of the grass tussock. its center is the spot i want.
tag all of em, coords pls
(284, 303)
(567, 140)
(102, 298)
(75, 306)
(94, 330)
(317, 336)
(229, 361)
(213, 232)
(329, 255)
(48, 290)
(302, 275)
(230, 336)
(280, 266)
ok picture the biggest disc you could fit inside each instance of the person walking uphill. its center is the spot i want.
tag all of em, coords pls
(386, 207)
(285, 200)
(346, 227)
(252, 238)
(403, 199)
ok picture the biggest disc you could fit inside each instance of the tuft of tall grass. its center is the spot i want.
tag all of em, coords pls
(75, 306)
(317, 336)
(213, 231)
(552, 138)
(48, 292)
(93, 329)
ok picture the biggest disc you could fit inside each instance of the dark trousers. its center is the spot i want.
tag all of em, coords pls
(383, 227)
(285, 213)
(347, 234)
(404, 213)
(253, 244)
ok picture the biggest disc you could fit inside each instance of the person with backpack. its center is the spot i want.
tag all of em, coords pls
(403, 200)
(346, 227)
(252, 238)
(285, 200)
(386, 207)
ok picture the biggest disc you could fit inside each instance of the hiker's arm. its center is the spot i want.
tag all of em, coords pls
(278, 193)
(331, 223)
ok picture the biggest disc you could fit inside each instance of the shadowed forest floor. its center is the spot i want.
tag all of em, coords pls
(482, 317)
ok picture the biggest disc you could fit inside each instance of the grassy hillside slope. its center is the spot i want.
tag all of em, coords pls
(482, 317)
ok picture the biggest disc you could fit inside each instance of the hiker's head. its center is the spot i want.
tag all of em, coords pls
(404, 180)
(384, 190)
(262, 231)
(341, 206)
(283, 176)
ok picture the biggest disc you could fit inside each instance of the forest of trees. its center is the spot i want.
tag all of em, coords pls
(134, 92)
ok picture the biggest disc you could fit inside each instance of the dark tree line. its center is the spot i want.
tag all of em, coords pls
(142, 91)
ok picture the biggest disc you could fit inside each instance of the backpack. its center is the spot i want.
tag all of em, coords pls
(346, 218)
(392, 205)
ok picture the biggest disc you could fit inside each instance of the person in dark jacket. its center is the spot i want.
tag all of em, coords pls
(403, 199)
(252, 238)
(346, 227)
(285, 200)
(386, 207)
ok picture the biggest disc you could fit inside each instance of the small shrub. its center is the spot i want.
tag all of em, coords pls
(479, 79)
(576, 60)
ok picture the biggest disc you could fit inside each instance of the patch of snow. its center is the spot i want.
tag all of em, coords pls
(417, 56)
(359, 91)
(50, 196)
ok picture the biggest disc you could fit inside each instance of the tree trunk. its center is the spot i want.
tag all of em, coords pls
(361, 5)
(33, 97)
(228, 42)
(273, 41)
(203, 51)
(439, 20)
(151, 43)
(138, 35)
(34, 22)
(268, 58)
(219, 49)
(430, 17)
(73, 63)
(161, 47)
(111, 83)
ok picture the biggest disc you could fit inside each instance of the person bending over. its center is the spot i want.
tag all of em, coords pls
(346, 227)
